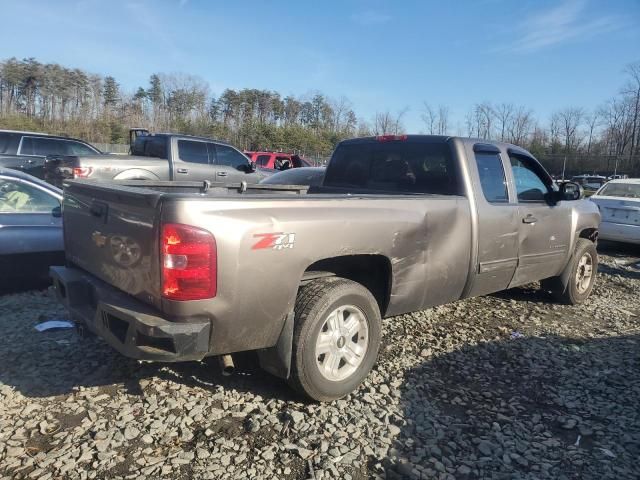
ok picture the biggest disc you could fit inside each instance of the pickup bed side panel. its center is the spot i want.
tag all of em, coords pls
(264, 247)
(106, 167)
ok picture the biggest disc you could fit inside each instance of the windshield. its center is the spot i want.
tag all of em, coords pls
(629, 190)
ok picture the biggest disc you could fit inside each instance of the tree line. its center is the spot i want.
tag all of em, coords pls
(57, 99)
(51, 97)
(602, 139)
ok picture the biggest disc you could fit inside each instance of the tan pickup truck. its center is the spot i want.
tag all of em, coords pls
(172, 271)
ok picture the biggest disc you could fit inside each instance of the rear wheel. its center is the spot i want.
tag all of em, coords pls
(336, 338)
(581, 274)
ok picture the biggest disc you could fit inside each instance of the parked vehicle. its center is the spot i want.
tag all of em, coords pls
(619, 205)
(304, 274)
(590, 183)
(310, 176)
(277, 160)
(162, 156)
(30, 227)
(26, 151)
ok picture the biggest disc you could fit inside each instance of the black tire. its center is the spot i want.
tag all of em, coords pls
(314, 303)
(571, 294)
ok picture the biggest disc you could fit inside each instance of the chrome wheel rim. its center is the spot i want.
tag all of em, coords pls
(584, 273)
(342, 343)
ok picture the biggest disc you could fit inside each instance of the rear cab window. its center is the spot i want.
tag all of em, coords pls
(403, 166)
(150, 146)
(263, 160)
(156, 147)
(9, 142)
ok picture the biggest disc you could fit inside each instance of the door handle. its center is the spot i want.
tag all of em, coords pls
(182, 170)
(222, 174)
(529, 219)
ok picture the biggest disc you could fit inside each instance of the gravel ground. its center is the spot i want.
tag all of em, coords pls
(505, 386)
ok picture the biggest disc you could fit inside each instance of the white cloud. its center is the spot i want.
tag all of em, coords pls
(370, 18)
(566, 22)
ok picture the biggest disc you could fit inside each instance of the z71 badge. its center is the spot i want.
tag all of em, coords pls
(274, 241)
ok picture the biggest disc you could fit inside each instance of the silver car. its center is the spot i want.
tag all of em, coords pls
(30, 227)
(619, 204)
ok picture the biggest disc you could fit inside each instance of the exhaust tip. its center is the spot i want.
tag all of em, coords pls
(226, 365)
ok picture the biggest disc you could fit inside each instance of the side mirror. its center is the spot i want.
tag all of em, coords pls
(571, 191)
(56, 212)
(251, 167)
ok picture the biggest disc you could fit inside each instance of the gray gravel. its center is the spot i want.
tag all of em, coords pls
(504, 386)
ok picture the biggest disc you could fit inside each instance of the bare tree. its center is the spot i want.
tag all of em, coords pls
(385, 123)
(504, 114)
(382, 123)
(341, 108)
(469, 122)
(592, 121)
(520, 125)
(569, 121)
(430, 118)
(484, 114)
(632, 90)
(443, 120)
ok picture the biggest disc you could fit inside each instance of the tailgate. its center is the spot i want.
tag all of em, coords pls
(111, 231)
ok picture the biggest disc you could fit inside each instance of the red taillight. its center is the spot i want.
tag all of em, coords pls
(82, 172)
(189, 262)
(391, 138)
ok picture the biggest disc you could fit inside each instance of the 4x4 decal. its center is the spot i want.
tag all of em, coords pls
(274, 241)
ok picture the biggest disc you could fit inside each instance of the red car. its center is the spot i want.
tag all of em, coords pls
(277, 160)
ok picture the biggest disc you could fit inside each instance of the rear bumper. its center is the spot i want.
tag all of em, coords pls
(128, 325)
(619, 232)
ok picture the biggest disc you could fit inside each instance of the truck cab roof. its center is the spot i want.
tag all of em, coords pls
(181, 135)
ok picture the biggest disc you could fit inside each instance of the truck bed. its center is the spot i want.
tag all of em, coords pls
(112, 231)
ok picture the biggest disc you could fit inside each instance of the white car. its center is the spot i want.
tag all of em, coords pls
(619, 204)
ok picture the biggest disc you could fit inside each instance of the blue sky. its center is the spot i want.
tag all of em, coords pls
(381, 55)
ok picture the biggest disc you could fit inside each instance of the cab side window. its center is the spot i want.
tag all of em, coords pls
(193, 151)
(42, 146)
(230, 157)
(77, 148)
(492, 178)
(530, 185)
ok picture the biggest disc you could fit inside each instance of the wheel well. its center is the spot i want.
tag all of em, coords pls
(589, 234)
(136, 174)
(371, 271)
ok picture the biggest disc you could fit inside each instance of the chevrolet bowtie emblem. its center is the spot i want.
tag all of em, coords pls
(99, 239)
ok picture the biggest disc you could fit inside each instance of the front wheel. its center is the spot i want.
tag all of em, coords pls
(581, 273)
(336, 338)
